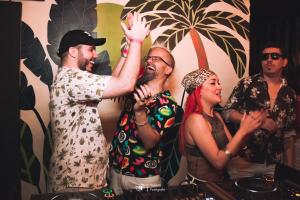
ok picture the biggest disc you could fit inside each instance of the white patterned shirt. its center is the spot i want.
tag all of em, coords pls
(80, 150)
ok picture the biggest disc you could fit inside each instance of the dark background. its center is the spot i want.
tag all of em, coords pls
(278, 21)
(9, 86)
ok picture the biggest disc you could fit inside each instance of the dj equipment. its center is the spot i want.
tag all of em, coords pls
(288, 180)
(285, 185)
(204, 191)
(103, 194)
(257, 188)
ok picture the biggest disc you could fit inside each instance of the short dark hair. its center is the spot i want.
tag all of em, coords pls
(273, 44)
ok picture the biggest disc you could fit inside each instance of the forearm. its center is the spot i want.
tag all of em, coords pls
(118, 67)
(148, 136)
(129, 72)
(146, 133)
(120, 64)
(231, 149)
(236, 142)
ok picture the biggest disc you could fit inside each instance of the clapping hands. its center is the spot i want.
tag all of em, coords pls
(252, 121)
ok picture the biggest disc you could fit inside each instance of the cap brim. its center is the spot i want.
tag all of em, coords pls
(99, 41)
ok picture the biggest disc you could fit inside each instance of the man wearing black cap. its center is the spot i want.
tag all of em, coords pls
(80, 150)
(79, 37)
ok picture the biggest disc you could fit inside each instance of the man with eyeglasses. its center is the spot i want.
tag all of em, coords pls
(148, 113)
(267, 90)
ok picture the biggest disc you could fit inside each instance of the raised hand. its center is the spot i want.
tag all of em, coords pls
(137, 28)
(129, 19)
(142, 96)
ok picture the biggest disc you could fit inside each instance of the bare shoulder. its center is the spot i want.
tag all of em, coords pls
(196, 121)
(195, 117)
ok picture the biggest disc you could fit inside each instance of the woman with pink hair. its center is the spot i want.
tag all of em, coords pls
(204, 137)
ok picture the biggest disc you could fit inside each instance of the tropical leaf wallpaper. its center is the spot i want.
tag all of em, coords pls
(200, 33)
(192, 17)
(67, 15)
(33, 55)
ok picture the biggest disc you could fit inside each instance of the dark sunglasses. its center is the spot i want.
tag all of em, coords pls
(155, 59)
(274, 56)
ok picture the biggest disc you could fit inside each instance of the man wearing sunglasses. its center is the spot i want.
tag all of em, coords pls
(148, 113)
(267, 90)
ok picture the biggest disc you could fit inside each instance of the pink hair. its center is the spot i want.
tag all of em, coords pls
(192, 105)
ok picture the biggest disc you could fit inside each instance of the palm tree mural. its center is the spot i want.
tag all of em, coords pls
(193, 17)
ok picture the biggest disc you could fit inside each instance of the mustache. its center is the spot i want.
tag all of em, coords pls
(150, 65)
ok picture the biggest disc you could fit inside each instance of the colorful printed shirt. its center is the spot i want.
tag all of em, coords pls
(251, 93)
(80, 150)
(128, 155)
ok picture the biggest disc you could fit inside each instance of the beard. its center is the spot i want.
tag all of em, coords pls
(83, 63)
(148, 75)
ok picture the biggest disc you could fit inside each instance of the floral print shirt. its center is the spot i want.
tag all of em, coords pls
(128, 155)
(80, 150)
(251, 93)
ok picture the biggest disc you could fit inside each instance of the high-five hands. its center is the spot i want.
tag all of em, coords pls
(137, 28)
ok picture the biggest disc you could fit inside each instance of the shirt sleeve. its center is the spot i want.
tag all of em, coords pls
(290, 124)
(88, 87)
(236, 100)
(164, 115)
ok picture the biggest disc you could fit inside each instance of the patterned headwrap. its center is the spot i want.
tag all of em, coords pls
(195, 78)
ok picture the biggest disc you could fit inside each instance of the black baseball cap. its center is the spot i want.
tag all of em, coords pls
(76, 37)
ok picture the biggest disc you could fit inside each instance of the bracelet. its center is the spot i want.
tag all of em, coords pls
(228, 153)
(124, 53)
(142, 123)
(136, 40)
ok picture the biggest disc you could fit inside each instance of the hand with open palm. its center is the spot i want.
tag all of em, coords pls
(137, 28)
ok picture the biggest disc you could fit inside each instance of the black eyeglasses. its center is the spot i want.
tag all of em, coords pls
(274, 56)
(155, 59)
